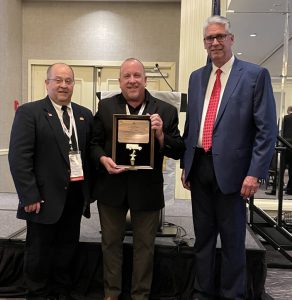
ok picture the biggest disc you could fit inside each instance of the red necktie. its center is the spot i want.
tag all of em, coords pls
(211, 113)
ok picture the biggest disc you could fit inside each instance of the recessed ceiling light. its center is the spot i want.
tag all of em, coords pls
(230, 11)
(239, 53)
(253, 35)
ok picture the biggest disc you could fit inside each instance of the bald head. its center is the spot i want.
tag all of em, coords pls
(133, 81)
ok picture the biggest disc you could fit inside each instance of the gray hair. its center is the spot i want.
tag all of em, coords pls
(217, 20)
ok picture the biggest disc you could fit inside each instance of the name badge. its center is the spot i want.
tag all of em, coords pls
(76, 166)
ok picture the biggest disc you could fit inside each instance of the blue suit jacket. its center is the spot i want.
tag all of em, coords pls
(245, 128)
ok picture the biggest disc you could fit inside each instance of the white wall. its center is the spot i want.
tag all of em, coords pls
(10, 78)
(110, 31)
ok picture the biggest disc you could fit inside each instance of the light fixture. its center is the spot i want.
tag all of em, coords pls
(253, 35)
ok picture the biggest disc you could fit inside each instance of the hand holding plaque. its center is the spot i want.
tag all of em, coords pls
(133, 133)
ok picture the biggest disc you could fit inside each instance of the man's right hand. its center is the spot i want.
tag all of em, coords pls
(35, 207)
(111, 166)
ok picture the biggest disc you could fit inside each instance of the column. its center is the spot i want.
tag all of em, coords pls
(10, 83)
(192, 55)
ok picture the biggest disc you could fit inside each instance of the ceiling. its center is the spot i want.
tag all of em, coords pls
(265, 18)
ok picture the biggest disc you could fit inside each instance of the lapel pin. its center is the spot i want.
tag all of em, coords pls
(50, 115)
(81, 119)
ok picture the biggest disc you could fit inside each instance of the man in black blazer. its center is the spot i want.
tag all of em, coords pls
(287, 134)
(48, 161)
(141, 191)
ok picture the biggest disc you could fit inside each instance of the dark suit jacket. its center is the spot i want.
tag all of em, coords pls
(287, 128)
(142, 189)
(287, 134)
(38, 158)
(245, 128)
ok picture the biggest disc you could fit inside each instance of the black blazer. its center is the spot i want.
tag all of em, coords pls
(141, 189)
(287, 128)
(38, 158)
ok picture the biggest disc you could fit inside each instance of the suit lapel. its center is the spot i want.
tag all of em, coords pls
(151, 107)
(80, 122)
(204, 84)
(232, 82)
(120, 105)
(53, 119)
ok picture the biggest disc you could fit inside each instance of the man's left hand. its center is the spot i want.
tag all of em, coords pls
(249, 187)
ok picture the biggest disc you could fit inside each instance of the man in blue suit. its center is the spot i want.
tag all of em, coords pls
(226, 172)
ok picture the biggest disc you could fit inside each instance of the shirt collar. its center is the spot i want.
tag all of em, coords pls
(226, 67)
(59, 107)
(146, 99)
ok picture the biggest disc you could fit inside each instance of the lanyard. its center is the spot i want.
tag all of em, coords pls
(140, 111)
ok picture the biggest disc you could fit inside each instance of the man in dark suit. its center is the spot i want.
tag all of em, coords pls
(225, 159)
(48, 161)
(287, 134)
(118, 189)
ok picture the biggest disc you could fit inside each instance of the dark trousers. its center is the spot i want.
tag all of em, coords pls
(217, 214)
(50, 249)
(145, 226)
(288, 161)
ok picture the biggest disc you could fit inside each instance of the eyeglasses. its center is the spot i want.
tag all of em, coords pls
(219, 37)
(68, 81)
